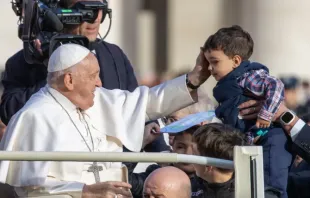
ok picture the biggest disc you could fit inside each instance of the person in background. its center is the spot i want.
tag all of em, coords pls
(182, 144)
(290, 90)
(218, 140)
(21, 79)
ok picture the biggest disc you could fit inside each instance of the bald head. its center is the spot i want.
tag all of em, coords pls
(168, 182)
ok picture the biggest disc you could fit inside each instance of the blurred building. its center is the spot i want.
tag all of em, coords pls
(162, 37)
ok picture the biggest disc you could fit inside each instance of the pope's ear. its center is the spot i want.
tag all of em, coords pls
(68, 82)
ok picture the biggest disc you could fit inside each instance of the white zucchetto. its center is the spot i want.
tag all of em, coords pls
(66, 56)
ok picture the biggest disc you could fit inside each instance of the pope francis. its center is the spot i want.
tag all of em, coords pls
(74, 113)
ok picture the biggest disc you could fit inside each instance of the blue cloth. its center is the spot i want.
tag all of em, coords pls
(230, 95)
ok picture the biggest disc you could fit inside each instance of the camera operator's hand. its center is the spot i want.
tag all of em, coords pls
(37, 44)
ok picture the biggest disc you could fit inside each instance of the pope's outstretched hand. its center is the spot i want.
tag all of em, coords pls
(200, 73)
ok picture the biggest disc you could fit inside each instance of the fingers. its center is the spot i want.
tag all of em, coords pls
(153, 127)
(256, 139)
(122, 193)
(37, 44)
(249, 116)
(249, 111)
(250, 103)
(119, 184)
(156, 128)
(262, 125)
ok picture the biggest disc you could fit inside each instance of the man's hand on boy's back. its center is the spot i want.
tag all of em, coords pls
(250, 109)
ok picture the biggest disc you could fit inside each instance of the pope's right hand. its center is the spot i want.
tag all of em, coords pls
(107, 190)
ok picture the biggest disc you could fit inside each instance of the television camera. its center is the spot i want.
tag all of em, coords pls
(44, 20)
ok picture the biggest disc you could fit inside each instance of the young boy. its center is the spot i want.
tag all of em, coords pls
(218, 141)
(228, 52)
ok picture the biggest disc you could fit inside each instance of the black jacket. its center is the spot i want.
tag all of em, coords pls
(21, 79)
(221, 190)
(224, 190)
(301, 144)
(298, 185)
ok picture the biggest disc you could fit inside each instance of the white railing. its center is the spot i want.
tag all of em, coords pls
(115, 157)
(248, 163)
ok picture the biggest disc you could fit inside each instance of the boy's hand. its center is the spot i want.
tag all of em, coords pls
(151, 132)
(261, 123)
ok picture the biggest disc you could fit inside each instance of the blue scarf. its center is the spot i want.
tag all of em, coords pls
(230, 95)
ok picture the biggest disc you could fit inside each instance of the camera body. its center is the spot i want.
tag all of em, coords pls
(45, 20)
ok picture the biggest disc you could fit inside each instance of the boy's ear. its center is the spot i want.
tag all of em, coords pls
(237, 61)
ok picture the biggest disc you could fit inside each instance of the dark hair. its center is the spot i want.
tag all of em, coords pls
(191, 131)
(218, 141)
(232, 41)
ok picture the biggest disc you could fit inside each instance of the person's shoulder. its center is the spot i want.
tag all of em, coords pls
(152, 168)
(18, 62)
(112, 46)
(17, 57)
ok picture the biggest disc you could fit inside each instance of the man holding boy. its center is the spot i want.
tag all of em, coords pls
(239, 80)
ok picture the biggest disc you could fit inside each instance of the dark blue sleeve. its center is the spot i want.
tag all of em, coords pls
(158, 145)
(132, 83)
(301, 145)
(16, 93)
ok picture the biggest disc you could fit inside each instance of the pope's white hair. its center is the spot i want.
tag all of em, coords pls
(53, 78)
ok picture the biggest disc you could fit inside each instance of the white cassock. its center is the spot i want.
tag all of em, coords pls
(50, 122)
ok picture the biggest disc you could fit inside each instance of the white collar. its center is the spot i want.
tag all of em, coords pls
(63, 100)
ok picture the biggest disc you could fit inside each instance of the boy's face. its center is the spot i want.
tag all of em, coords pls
(220, 64)
(200, 170)
(183, 144)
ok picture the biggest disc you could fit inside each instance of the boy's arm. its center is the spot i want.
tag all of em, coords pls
(260, 83)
